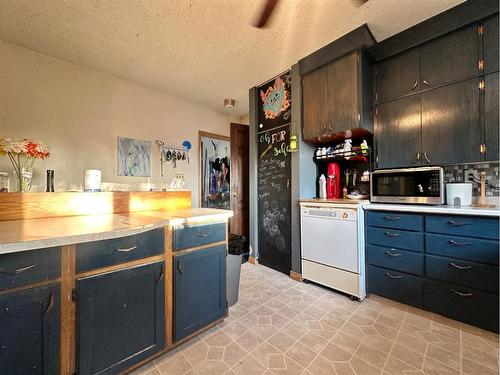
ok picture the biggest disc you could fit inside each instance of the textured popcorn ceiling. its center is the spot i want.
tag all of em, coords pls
(200, 50)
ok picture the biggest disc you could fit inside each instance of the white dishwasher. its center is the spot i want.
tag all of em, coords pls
(332, 251)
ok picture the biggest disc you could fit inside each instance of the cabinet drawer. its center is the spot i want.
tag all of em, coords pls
(456, 271)
(474, 249)
(18, 269)
(465, 304)
(185, 237)
(98, 254)
(398, 286)
(463, 226)
(394, 220)
(395, 238)
(399, 260)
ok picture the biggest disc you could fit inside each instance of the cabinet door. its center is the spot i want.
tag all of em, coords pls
(30, 332)
(398, 75)
(199, 289)
(452, 57)
(491, 116)
(398, 132)
(120, 318)
(343, 103)
(314, 105)
(490, 35)
(450, 124)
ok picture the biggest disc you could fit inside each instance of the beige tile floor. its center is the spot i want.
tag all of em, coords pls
(280, 326)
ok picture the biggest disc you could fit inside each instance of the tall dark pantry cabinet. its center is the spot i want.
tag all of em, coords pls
(274, 173)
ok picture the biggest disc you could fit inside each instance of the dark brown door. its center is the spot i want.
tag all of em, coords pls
(239, 179)
(314, 102)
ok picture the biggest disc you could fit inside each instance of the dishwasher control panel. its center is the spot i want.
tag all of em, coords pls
(332, 213)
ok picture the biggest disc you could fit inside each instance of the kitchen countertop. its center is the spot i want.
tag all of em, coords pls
(29, 234)
(441, 209)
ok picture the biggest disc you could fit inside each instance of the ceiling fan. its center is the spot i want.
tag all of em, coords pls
(268, 8)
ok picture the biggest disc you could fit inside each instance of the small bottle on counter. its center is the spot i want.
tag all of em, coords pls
(344, 192)
(4, 182)
(50, 181)
(322, 186)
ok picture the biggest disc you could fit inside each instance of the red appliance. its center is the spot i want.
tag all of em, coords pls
(333, 181)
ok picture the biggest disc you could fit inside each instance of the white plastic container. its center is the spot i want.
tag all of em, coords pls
(92, 180)
(459, 193)
(322, 186)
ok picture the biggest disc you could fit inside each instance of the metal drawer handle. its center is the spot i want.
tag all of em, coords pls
(414, 85)
(51, 303)
(455, 243)
(461, 294)
(389, 234)
(127, 249)
(394, 218)
(388, 274)
(391, 254)
(459, 267)
(203, 234)
(162, 274)
(17, 271)
(179, 266)
(458, 223)
(426, 83)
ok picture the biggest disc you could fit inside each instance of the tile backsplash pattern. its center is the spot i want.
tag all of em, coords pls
(455, 173)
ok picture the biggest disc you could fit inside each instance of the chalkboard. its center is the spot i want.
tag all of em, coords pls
(274, 198)
(275, 102)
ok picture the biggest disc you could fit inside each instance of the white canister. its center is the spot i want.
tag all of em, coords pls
(92, 180)
(459, 193)
(322, 186)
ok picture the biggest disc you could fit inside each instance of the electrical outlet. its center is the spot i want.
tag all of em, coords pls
(470, 172)
(179, 176)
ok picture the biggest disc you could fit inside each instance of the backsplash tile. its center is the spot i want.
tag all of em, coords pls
(455, 173)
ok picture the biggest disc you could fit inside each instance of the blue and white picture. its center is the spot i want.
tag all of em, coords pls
(134, 157)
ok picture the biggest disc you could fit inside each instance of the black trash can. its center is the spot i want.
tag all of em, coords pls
(236, 247)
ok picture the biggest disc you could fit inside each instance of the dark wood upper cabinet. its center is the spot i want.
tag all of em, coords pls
(449, 58)
(397, 132)
(490, 38)
(342, 110)
(315, 94)
(491, 116)
(451, 131)
(397, 76)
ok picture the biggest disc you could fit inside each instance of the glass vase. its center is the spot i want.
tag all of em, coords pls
(24, 177)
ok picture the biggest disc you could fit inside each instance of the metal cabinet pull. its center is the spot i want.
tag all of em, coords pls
(389, 234)
(203, 234)
(179, 267)
(394, 218)
(51, 303)
(414, 85)
(127, 249)
(426, 158)
(388, 274)
(459, 267)
(418, 156)
(426, 83)
(17, 271)
(461, 294)
(162, 274)
(458, 223)
(455, 243)
(391, 254)
(330, 127)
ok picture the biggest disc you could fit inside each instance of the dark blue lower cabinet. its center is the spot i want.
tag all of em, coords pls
(120, 318)
(462, 303)
(398, 286)
(199, 289)
(30, 331)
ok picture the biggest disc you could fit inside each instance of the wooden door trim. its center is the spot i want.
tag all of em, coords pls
(202, 134)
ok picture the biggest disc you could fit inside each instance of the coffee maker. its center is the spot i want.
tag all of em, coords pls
(333, 181)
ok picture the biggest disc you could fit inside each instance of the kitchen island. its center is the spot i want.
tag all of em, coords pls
(105, 293)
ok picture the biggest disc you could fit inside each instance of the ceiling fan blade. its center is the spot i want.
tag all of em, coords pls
(358, 3)
(265, 13)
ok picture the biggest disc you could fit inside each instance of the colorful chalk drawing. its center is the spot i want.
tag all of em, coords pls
(275, 100)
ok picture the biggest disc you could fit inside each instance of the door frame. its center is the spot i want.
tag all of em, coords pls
(202, 134)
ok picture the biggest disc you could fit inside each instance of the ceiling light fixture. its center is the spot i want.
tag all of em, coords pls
(229, 103)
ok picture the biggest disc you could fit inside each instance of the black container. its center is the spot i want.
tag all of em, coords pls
(50, 181)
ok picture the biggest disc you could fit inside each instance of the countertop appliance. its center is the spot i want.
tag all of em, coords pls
(459, 193)
(332, 240)
(420, 185)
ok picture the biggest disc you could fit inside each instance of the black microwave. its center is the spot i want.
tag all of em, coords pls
(419, 185)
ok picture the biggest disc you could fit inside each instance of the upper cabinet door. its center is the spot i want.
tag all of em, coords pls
(343, 102)
(491, 116)
(490, 35)
(451, 130)
(314, 106)
(397, 76)
(451, 57)
(397, 132)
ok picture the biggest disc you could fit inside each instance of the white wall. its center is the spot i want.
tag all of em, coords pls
(79, 113)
